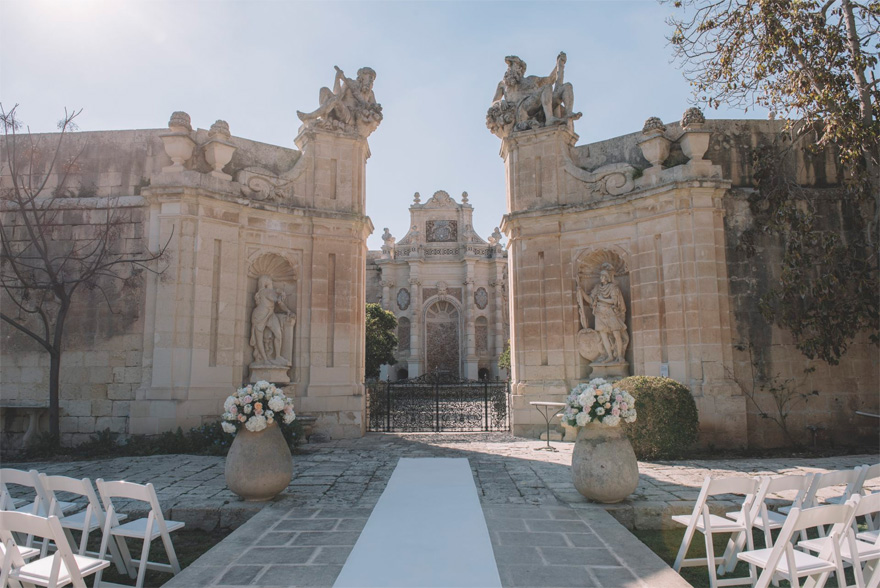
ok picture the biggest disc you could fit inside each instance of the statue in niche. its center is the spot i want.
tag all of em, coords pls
(267, 326)
(349, 107)
(609, 312)
(526, 102)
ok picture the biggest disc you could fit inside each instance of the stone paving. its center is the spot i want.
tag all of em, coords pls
(543, 532)
(353, 472)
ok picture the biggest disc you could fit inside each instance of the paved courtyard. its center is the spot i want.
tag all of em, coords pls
(543, 532)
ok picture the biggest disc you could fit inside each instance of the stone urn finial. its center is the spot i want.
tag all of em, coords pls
(178, 142)
(218, 149)
(464, 198)
(180, 122)
(417, 199)
(655, 145)
(695, 140)
(692, 118)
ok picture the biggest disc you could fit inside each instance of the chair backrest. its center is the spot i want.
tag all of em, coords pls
(29, 479)
(871, 472)
(799, 483)
(868, 506)
(850, 478)
(48, 528)
(53, 484)
(838, 516)
(130, 491)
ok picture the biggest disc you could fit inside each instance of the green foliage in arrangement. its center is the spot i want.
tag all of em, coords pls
(668, 422)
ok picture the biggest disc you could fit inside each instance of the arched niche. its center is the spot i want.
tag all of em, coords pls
(588, 267)
(284, 273)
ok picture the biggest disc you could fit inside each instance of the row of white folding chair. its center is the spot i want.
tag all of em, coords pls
(94, 516)
(59, 569)
(832, 552)
(855, 552)
(739, 527)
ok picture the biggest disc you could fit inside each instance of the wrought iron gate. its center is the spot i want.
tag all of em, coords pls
(437, 402)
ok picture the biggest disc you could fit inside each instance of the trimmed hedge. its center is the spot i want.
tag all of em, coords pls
(667, 422)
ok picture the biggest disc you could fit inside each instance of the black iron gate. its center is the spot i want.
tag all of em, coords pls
(437, 402)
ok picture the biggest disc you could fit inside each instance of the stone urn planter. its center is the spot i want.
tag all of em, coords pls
(603, 465)
(259, 465)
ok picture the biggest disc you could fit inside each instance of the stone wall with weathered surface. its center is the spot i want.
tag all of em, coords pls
(103, 333)
(670, 227)
(228, 213)
(843, 389)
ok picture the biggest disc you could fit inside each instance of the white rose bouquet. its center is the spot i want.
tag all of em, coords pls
(598, 401)
(256, 406)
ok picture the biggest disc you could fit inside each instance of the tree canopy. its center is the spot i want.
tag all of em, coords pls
(813, 64)
(381, 339)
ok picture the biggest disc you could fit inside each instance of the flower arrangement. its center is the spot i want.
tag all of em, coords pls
(598, 401)
(256, 406)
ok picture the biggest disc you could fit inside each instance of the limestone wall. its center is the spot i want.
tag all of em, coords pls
(103, 338)
(181, 344)
(672, 229)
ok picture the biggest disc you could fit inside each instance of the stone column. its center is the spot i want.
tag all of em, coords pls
(471, 366)
(386, 298)
(415, 327)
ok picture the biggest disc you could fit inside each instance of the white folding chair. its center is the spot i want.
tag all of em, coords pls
(59, 569)
(846, 478)
(708, 524)
(871, 473)
(782, 559)
(147, 529)
(85, 521)
(854, 552)
(762, 517)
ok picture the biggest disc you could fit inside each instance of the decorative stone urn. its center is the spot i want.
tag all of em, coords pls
(259, 465)
(603, 465)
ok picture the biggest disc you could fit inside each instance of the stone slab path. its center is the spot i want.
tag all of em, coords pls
(543, 532)
(354, 472)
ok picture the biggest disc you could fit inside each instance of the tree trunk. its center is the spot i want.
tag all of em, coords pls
(55, 374)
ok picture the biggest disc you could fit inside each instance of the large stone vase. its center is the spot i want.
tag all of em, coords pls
(258, 465)
(603, 465)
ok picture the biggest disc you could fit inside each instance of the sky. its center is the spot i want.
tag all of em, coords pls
(253, 63)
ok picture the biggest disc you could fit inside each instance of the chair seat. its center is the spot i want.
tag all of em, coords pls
(38, 572)
(869, 536)
(719, 524)
(865, 550)
(805, 563)
(77, 520)
(138, 528)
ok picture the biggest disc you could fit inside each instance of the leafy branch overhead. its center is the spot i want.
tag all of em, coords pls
(814, 64)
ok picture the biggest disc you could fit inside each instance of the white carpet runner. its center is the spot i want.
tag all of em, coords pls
(427, 530)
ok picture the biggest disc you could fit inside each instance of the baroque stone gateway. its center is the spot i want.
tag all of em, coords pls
(621, 257)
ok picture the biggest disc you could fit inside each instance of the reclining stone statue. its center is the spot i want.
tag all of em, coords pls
(349, 107)
(525, 102)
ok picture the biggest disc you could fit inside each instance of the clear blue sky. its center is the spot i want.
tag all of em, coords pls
(129, 64)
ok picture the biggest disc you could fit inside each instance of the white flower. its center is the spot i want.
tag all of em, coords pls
(288, 418)
(582, 419)
(256, 423)
(227, 416)
(276, 403)
(585, 399)
(230, 402)
(248, 409)
(611, 420)
(600, 411)
(228, 427)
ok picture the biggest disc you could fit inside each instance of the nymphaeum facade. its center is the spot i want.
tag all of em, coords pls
(447, 287)
(263, 275)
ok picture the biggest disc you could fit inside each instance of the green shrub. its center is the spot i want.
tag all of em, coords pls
(667, 421)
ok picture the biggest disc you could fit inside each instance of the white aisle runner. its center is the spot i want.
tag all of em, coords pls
(427, 530)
